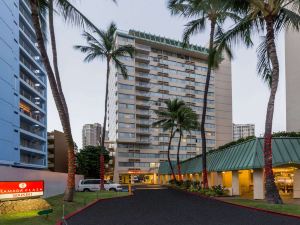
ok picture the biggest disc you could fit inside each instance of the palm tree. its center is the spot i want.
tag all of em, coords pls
(215, 12)
(101, 45)
(270, 16)
(186, 121)
(167, 120)
(71, 14)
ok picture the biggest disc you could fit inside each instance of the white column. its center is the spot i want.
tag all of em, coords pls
(154, 178)
(258, 184)
(219, 179)
(216, 178)
(296, 186)
(116, 176)
(235, 183)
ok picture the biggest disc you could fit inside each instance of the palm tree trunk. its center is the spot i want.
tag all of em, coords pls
(54, 55)
(203, 118)
(178, 160)
(272, 193)
(169, 158)
(102, 169)
(69, 193)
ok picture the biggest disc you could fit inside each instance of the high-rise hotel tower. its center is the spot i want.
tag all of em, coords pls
(161, 69)
(22, 89)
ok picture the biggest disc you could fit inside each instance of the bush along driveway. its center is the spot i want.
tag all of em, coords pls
(173, 207)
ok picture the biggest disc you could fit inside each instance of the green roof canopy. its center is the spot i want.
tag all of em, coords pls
(167, 41)
(247, 155)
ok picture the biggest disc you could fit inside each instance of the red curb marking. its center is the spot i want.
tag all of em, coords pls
(88, 206)
(238, 205)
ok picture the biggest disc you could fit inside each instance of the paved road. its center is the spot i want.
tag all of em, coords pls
(170, 207)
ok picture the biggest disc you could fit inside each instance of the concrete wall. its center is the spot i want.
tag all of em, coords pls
(223, 103)
(9, 79)
(55, 183)
(292, 49)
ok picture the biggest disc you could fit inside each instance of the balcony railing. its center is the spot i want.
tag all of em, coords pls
(144, 75)
(34, 85)
(33, 129)
(143, 47)
(143, 84)
(142, 56)
(143, 93)
(143, 66)
(35, 100)
(32, 145)
(143, 112)
(143, 122)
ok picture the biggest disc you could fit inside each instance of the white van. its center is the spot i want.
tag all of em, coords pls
(94, 185)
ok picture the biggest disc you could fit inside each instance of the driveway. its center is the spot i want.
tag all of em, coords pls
(170, 207)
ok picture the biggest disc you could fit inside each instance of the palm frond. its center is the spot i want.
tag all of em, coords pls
(264, 67)
(191, 28)
(72, 15)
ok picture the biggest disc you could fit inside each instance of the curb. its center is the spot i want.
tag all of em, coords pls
(238, 205)
(60, 222)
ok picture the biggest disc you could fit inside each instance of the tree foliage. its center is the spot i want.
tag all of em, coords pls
(88, 163)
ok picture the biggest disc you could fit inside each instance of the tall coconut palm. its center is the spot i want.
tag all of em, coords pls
(39, 8)
(101, 45)
(186, 121)
(270, 17)
(167, 120)
(214, 12)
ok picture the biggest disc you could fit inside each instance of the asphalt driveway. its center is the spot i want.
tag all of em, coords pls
(170, 207)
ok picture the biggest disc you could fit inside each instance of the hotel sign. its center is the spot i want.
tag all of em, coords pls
(21, 189)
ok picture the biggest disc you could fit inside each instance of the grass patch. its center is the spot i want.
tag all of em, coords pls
(81, 199)
(260, 204)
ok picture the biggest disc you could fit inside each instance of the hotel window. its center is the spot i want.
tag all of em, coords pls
(126, 135)
(126, 116)
(126, 86)
(124, 96)
(126, 106)
(126, 125)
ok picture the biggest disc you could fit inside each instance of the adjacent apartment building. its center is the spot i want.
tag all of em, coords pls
(243, 131)
(91, 134)
(23, 114)
(57, 152)
(161, 69)
(292, 49)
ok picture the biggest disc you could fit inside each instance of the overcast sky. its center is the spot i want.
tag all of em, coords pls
(84, 84)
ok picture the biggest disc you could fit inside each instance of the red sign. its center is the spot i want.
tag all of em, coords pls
(21, 189)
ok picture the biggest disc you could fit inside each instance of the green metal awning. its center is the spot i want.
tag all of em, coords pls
(247, 155)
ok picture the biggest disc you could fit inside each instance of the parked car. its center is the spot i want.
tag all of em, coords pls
(94, 185)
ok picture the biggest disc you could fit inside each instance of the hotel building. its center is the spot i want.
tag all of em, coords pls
(91, 134)
(243, 131)
(161, 69)
(292, 49)
(23, 97)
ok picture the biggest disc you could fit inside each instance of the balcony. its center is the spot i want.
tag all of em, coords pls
(34, 129)
(33, 85)
(143, 131)
(142, 67)
(143, 104)
(31, 113)
(142, 140)
(143, 122)
(34, 100)
(142, 58)
(142, 94)
(32, 145)
(142, 48)
(142, 113)
(142, 86)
